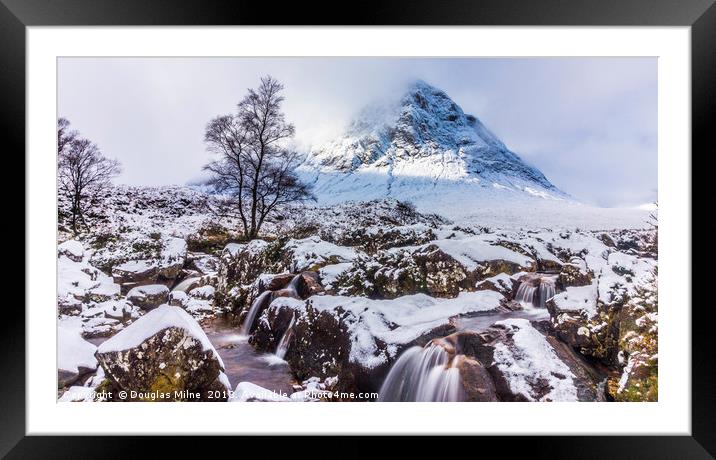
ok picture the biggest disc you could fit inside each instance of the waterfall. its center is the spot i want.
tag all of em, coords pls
(535, 292)
(546, 291)
(422, 374)
(255, 307)
(265, 298)
(525, 294)
(293, 285)
(283, 344)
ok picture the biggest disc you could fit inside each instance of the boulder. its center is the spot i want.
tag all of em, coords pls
(374, 239)
(161, 270)
(444, 276)
(502, 283)
(476, 382)
(527, 365)
(391, 274)
(240, 266)
(199, 302)
(75, 356)
(100, 327)
(149, 296)
(203, 292)
(574, 273)
(72, 249)
(274, 282)
(163, 356)
(135, 273)
(310, 285)
(80, 283)
(203, 264)
(121, 309)
(312, 253)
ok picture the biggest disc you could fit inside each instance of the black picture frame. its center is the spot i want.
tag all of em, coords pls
(700, 15)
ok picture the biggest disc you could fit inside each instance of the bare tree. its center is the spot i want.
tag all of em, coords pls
(65, 135)
(83, 171)
(254, 171)
(654, 224)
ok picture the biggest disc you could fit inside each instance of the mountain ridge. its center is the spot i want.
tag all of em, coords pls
(425, 140)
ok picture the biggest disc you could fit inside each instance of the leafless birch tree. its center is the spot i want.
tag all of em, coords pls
(83, 171)
(255, 171)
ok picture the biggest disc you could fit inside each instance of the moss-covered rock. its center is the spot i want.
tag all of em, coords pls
(391, 274)
(574, 273)
(172, 364)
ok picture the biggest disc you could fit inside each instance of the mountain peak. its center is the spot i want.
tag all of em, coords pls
(427, 135)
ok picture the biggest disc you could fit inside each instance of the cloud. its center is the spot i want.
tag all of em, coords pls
(588, 123)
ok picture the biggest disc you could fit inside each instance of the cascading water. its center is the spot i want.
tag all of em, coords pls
(423, 374)
(285, 341)
(293, 285)
(255, 307)
(264, 297)
(546, 291)
(525, 294)
(535, 292)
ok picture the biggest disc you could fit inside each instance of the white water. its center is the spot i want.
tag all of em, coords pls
(255, 306)
(293, 285)
(258, 303)
(422, 374)
(285, 341)
(546, 291)
(525, 294)
(530, 296)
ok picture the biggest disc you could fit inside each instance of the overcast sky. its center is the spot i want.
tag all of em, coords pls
(589, 124)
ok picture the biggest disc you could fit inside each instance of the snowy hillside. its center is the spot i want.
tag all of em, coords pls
(356, 297)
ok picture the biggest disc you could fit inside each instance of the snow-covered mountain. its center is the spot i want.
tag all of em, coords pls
(421, 148)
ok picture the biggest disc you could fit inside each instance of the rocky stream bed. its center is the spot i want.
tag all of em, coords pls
(372, 299)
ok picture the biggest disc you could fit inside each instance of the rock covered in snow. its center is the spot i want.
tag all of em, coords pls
(204, 264)
(311, 253)
(163, 355)
(75, 356)
(593, 318)
(358, 338)
(240, 265)
(149, 296)
(442, 268)
(72, 249)
(118, 309)
(526, 367)
(104, 319)
(168, 259)
(502, 283)
(78, 282)
(199, 302)
(574, 273)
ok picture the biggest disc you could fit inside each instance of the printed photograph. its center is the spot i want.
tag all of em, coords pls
(359, 229)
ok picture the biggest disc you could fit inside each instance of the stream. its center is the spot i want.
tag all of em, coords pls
(480, 321)
(242, 362)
